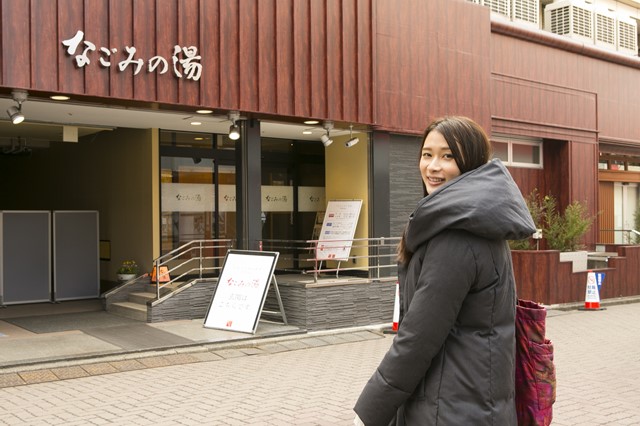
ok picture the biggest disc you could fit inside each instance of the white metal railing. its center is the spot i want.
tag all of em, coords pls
(621, 236)
(371, 255)
(197, 257)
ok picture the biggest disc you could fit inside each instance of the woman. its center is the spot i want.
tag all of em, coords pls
(452, 361)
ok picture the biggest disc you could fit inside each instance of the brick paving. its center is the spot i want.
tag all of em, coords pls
(310, 380)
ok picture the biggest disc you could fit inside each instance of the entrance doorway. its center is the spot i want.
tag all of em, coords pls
(293, 195)
(625, 202)
(198, 188)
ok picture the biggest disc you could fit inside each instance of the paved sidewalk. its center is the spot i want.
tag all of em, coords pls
(315, 379)
(31, 335)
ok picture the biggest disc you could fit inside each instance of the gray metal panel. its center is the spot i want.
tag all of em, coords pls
(405, 183)
(26, 256)
(76, 255)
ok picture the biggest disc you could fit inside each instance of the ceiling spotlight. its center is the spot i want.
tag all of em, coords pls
(234, 130)
(326, 138)
(15, 114)
(352, 141)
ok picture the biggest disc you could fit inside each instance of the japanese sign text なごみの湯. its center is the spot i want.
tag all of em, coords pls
(184, 59)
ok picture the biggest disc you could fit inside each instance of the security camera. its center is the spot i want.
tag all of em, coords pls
(351, 142)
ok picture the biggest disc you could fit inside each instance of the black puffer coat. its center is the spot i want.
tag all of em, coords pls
(452, 361)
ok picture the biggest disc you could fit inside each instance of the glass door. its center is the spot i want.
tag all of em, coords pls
(198, 190)
(187, 200)
(625, 202)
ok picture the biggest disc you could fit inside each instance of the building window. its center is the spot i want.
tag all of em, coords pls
(518, 152)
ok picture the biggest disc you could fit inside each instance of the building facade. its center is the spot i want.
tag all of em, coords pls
(562, 111)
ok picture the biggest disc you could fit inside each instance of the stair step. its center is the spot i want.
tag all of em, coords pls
(151, 288)
(130, 310)
(141, 297)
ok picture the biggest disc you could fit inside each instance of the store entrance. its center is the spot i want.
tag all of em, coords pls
(198, 188)
(293, 197)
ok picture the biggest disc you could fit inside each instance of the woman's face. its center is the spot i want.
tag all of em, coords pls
(437, 164)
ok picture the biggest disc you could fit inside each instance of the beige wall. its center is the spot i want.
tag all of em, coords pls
(124, 193)
(346, 178)
(111, 172)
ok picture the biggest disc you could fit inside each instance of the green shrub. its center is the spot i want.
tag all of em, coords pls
(563, 231)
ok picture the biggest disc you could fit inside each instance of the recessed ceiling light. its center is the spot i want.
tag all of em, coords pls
(198, 139)
(204, 111)
(311, 122)
(195, 123)
(59, 97)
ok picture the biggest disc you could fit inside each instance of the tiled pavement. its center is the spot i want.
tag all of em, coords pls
(309, 379)
(84, 367)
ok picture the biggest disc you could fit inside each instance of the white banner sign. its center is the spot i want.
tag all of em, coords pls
(241, 290)
(310, 198)
(187, 197)
(227, 198)
(338, 229)
(277, 198)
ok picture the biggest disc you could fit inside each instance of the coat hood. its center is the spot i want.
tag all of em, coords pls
(484, 201)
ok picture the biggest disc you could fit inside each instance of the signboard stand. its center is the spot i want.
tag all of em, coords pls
(338, 229)
(281, 314)
(241, 291)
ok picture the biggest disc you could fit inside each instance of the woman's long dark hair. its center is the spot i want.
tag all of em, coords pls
(470, 146)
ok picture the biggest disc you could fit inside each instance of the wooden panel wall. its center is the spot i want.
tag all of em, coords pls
(303, 58)
(540, 276)
(616, 86)
(377, 62)
(536, 108)
(606, 219)
(432, 59)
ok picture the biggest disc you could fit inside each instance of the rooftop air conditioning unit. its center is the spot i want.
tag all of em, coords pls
(627, 35)
(604, 27)
(526, 12)
(501, 7)
(570, 18)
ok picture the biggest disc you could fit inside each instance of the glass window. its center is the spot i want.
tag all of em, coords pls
(501, 151)
(617, 165)
(186, 139)
(518, 152)
(198, 189)
(528, 154)
(633, 166)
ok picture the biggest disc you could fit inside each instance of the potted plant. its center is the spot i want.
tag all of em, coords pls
(563, 231)
(128, 270)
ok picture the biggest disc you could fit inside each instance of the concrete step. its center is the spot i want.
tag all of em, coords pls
(141, 297)
(151, 288)
(130, 310)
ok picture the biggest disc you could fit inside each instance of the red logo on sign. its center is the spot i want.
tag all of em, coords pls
(229, 323)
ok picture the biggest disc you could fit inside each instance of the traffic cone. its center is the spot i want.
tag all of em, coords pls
(396, 308)
(162, 277)
(592, 294)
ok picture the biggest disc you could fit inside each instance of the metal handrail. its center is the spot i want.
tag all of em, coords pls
(380, 254)
(175, 262)
(626, 236)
